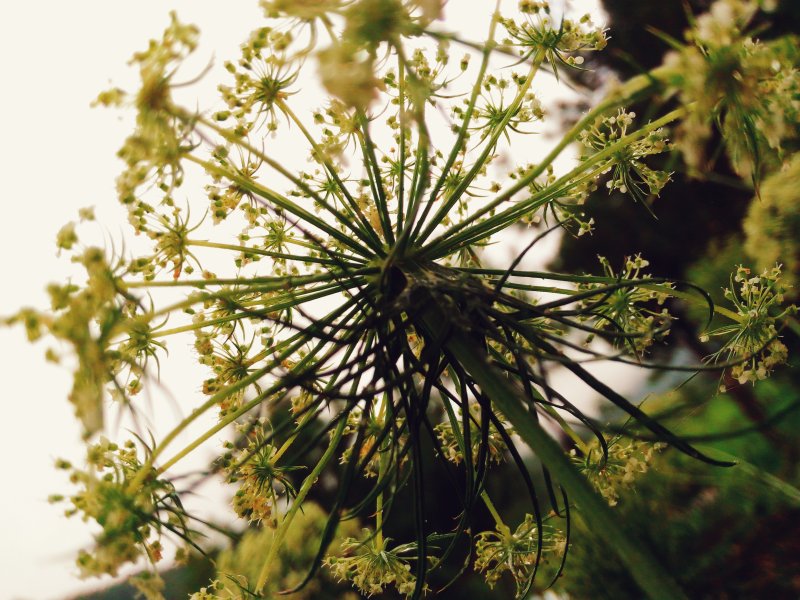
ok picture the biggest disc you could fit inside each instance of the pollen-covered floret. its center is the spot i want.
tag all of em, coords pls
(628, 312)
(500, 550)
(629, 174)
(752, 341)
(451, 439)
(371, 566)
(617, 471)
(261, 481)
(560, 42)
(132, 515)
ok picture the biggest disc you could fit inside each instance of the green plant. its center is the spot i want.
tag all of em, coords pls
(359, 316)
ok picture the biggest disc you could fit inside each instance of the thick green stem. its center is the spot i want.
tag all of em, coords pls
(498, 520)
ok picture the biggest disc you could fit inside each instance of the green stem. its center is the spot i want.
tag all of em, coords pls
(507, 216)
(280, 255)
(319, 153)
(370, 161)
(623, 95)
(379, 540)
(720, 310)
(286, 347)
(499, 222)
(147, 467)
(263, 283)
(567, 428)
(658, 287)
(507, 396)
(421, 165)
(401, 177)
(311, 415)
(274, 304)
(230, 418)
(498, 520)
(309, 481)
(454, 425)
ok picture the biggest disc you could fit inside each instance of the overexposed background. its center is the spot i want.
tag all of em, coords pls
(57, 155)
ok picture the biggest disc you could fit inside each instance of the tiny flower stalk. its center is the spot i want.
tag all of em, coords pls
(355, 314)
(286, 520)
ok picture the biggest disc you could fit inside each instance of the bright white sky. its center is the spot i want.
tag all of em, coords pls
(57, 155)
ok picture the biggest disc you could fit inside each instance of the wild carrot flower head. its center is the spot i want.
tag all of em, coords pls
(749, 88)
(358, 329)
(517, 553)
(371, 566)
(752, 342)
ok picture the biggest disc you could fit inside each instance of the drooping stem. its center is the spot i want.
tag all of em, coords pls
(645, 569)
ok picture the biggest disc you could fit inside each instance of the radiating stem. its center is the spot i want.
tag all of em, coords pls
(319, 153)
(458, 146)
(281, 202)
(287, 347)
(468, 231)
(340, 258)
(489, 146)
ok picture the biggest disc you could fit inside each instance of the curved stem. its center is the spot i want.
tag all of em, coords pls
(654, 581)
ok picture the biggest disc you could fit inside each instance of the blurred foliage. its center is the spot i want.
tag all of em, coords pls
(724, 533)
(294, 557)
(179, 582)
(773, 223)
